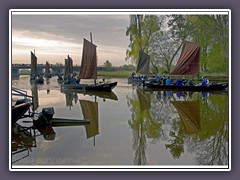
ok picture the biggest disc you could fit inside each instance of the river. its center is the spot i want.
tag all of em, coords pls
(131, 127)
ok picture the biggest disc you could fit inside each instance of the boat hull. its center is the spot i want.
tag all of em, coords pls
(19, 110)
(211, 87)
(91, 87)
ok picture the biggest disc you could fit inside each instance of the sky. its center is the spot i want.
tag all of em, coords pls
(55, 36)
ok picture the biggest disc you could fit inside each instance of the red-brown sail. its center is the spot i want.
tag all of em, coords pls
(188, 63)
(89, 61)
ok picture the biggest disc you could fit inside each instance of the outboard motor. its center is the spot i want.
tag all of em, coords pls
(48, 112)
(44, 118)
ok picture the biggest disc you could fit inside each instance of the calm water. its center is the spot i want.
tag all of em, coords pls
(133, 127)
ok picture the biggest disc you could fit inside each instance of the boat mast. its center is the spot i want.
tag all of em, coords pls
(95, 82)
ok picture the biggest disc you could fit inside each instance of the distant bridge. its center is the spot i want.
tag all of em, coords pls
(41, 68)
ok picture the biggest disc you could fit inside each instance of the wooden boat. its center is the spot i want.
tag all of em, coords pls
(210, 87)
(20, 106)
(92, 87)
(187, 65)
(143, 68)
(89, 71)
(20, 109)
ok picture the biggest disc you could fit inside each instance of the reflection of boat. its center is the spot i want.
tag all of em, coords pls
(24, 137)
(89, 71)
(188, 64)
(35, 78)
(189, 112)
(143, 67)
(101, 94)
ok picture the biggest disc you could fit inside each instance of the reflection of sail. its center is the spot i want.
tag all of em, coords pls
(144, 100)
(69, 99)
(90, 112)
(35, 97)
(189, 112)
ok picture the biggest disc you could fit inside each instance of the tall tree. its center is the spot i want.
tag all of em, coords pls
(141, 32)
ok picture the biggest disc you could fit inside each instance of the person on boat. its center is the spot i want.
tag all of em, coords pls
(184, 81)
(179, 82)
(133, 74)
(169, 81)
(205, 81)
(190, 82)
(158, 78)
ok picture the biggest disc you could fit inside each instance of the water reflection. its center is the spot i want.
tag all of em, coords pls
(187, 121)
(167, 128)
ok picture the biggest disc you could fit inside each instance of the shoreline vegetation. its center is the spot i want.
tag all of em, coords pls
(126, 74)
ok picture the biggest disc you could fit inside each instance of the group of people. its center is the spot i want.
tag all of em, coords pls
(135, 76)
(179, 82)
(70, 79)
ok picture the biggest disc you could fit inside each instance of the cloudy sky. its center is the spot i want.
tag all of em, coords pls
(57, 35)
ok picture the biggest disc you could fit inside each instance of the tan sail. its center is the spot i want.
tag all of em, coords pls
(188, 63)
(90, 112)
(89, 61)
(189, 112)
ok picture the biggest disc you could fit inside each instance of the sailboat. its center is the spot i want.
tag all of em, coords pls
(47, 70)
(34, 77)
(143, 67)
(188, 65)
(68, 71)
(89, 71)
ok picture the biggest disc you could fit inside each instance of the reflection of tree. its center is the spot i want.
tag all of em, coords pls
(176, 146)
(143, 123)
(139, 137)
(211, 144)
(162, 122)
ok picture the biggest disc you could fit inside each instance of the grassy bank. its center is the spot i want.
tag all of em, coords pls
(126, 74)
(114, 74)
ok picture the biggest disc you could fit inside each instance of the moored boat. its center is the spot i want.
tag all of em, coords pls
(89, 71)
(188, 65)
